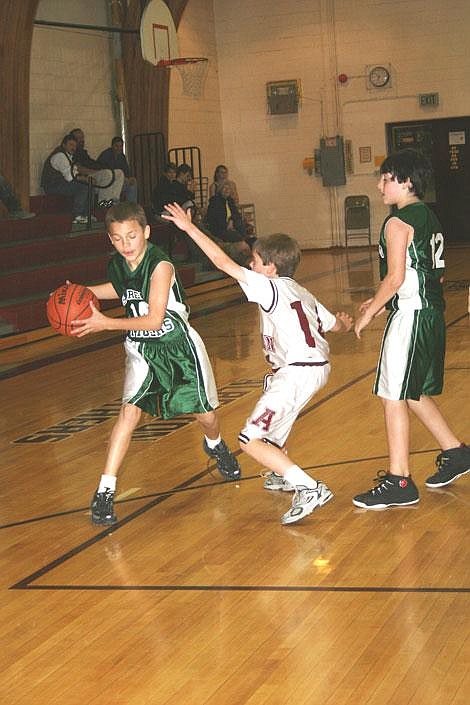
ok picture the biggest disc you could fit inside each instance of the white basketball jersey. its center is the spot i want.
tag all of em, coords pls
(292, 320)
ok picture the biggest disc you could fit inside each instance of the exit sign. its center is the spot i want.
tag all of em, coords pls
(426, 99)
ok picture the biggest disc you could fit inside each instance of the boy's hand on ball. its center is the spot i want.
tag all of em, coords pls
(93, 324)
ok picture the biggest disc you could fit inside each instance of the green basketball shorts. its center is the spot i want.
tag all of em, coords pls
(411, 362)
(170, 379)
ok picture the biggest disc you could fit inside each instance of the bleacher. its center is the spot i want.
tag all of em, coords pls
(39, 254)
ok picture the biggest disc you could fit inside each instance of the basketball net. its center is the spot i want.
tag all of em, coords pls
(193, 72)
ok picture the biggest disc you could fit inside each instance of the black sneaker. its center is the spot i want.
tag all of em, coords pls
(105, 204)
(102, 510)
(390, 491)
(451, 464)
(226, 462)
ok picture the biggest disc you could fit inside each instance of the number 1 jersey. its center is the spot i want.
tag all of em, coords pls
(292, 321)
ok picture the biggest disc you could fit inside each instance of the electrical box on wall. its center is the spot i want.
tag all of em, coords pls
(283, 97)
(332, 161)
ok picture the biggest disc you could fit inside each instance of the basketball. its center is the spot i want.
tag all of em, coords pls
(68, 303)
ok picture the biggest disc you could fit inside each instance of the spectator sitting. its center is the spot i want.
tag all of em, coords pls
(225, 222)
(220, 175)
(162, 192)
(180, 188)
(60, 176)
(11, 201)
(109, 184)
(114, 158)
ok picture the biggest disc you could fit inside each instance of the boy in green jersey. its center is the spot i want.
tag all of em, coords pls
(411, 363)
(167, 367)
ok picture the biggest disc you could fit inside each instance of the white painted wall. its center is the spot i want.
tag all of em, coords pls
(314, 40)
(71, 81)
(198, 121)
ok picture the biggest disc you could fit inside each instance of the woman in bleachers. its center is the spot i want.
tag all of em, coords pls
(225, 222)
(221, 175)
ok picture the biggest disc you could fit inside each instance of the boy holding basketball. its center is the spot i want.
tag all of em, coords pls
(166, 362)
(293, 323)
(411, 364)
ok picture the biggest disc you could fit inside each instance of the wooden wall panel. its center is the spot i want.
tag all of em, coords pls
(147, 88)
(16, 31)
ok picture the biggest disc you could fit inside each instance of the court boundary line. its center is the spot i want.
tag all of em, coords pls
(118, 339)
(25, 583)
(193, 488)
(252, 588)
(238, 452)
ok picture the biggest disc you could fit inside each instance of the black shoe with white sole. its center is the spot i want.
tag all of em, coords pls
(389, 491)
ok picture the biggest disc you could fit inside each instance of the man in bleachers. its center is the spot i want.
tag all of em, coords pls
(180, 191)
(60, 176)
(109, 182)
(114, 158)
(161, 194)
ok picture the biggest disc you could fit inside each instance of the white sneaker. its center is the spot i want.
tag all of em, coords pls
(273, 481)
(305, 501)
(80, 219)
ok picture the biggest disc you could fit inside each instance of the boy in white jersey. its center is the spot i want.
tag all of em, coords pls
(167, 367)
(293, 324)
(411, 363)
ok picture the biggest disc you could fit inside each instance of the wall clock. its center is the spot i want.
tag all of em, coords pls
(379, 76)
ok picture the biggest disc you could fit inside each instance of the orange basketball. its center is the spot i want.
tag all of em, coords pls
(68, 303)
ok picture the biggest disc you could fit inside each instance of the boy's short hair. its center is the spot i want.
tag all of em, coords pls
(280, 249)
(121, 212)
(184, 169)
(408, 164)
(117, 139)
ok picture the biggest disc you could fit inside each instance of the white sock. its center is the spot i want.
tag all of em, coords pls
(211, 443)
(296, 476)
(107, 482)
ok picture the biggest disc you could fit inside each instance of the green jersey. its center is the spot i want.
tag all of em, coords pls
(422, 287)
(133, 289)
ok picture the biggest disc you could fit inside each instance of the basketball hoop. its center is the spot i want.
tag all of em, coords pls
(192, 71)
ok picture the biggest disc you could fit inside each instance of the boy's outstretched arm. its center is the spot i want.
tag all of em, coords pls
(217, 256)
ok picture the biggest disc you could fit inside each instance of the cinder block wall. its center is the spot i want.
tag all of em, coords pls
(71, 81)
(198, 121)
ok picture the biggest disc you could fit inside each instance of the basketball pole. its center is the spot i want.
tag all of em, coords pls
(119, 81)
(93, 27)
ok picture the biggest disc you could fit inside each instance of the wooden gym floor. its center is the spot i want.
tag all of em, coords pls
(199, 595)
